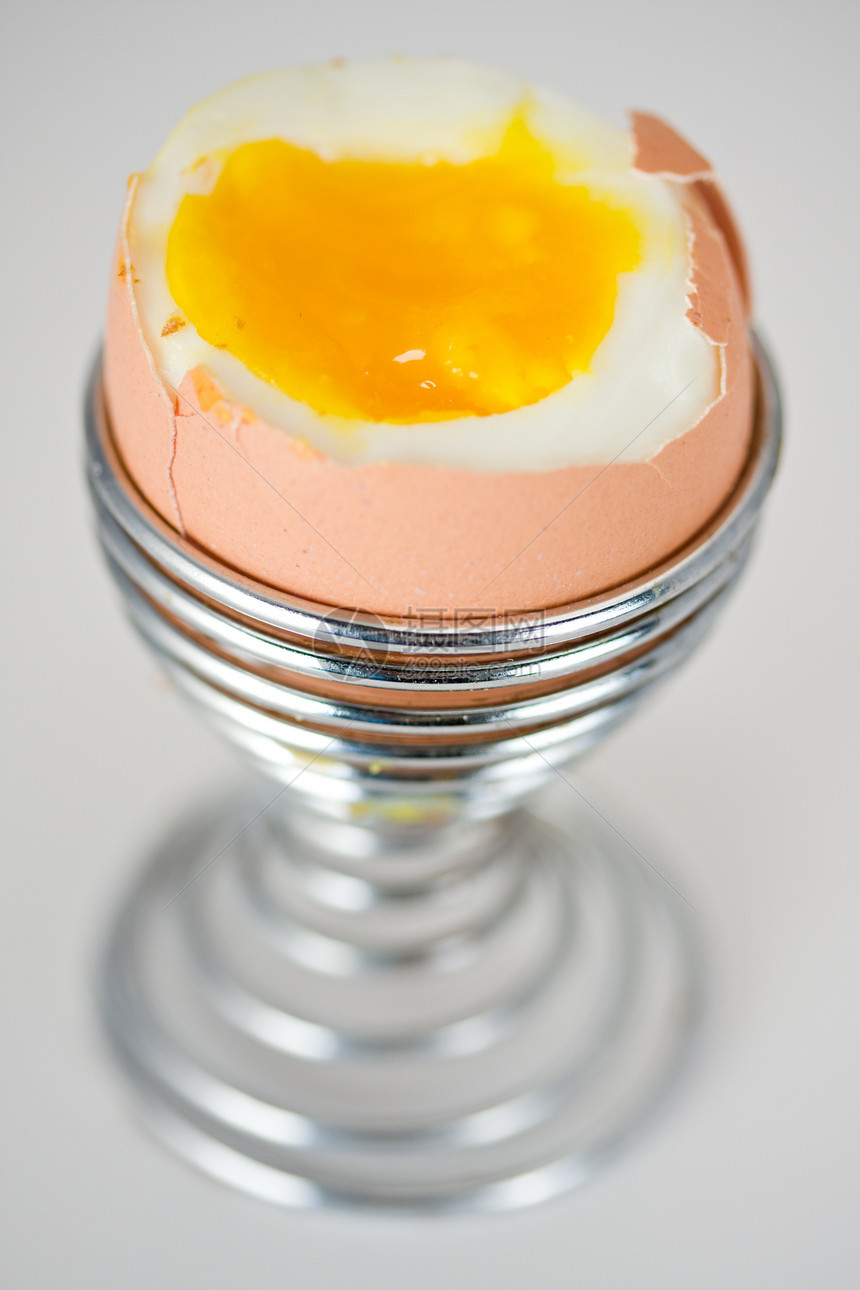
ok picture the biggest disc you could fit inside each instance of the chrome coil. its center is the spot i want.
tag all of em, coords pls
(387, 985)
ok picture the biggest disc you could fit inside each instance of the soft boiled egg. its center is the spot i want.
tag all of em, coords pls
(411, 334)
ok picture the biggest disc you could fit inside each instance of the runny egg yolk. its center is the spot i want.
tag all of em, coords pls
(402, 292)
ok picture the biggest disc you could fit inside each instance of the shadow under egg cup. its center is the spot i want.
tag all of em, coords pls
(382, 978)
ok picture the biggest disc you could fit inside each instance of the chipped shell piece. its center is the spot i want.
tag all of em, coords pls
(658, 149)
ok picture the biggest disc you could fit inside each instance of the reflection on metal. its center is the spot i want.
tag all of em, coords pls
(398, 985)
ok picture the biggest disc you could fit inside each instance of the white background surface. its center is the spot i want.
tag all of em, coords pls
(745, 766)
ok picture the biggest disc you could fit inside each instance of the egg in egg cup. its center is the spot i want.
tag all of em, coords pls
(429, 435)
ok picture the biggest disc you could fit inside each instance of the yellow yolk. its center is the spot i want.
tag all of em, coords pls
(402, 292)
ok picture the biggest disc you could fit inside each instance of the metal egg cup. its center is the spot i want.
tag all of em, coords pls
(381, 979)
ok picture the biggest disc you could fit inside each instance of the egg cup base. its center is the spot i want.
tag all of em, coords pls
(481, 1035)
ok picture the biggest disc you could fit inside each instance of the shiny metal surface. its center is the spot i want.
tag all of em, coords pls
(391, 985)
(478, 1042)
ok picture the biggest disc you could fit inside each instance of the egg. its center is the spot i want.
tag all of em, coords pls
(410, 334)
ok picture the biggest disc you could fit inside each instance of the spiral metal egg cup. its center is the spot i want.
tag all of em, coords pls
(381, 978)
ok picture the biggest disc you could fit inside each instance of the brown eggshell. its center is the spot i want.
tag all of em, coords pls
(396, 538)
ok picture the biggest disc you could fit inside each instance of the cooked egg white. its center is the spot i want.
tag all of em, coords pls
(422, 261)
